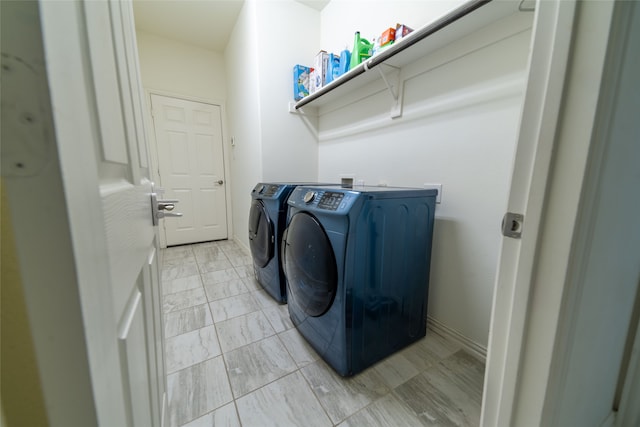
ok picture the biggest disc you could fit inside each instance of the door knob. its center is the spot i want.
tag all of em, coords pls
(220, 182)
(166, 205)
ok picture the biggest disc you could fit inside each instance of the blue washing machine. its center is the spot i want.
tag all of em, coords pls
(357, 268)
(267, 221)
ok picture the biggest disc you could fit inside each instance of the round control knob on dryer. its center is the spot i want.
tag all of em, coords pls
(309, 196)
(261, 189)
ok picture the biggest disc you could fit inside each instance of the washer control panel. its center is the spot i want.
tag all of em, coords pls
(309, 196)
(330, 200)
(337, 202)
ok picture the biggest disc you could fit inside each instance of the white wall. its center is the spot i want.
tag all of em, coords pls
(243, 113)
(459, 127)
(271, 144)
(289, 150)
(182, 69)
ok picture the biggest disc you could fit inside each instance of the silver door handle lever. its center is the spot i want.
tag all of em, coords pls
(162, 208)
(168, 214)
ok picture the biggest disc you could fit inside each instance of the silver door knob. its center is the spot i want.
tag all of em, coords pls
(166, 205)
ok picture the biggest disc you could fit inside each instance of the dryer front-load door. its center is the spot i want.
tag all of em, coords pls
(261, 238)
(310, 265)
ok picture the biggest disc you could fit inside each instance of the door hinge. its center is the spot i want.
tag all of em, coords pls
(512, 224)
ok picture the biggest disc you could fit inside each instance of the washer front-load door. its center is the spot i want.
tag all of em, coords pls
(309, 265)
(261, 238)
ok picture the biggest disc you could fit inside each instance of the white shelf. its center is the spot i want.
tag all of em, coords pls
(461, 22)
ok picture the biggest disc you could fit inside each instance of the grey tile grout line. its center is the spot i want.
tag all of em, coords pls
(226, 369)
(224, 357)
(177, 278)
(306, 380)
(233, 400)
(222, 353)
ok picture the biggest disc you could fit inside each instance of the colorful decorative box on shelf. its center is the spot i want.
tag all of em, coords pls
(388, 36)
(319, 71)
(401, 31)
(300, 81)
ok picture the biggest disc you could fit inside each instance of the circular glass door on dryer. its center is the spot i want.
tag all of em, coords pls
(261, 238)
(310, 265)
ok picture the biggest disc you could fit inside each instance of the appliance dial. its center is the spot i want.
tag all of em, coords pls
(261, 189)
(309, 196)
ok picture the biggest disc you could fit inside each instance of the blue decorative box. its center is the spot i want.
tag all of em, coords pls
(300, 81)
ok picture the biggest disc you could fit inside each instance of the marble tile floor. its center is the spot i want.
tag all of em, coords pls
(233, 358)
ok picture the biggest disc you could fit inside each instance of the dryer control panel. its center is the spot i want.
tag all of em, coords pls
(267, 190)
(271, 190)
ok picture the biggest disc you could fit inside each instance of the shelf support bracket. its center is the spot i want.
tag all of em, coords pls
(395, 88)
(310, 120)
(293, 109)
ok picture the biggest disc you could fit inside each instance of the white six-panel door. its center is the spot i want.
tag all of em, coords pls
(97, 110)
(191, 168)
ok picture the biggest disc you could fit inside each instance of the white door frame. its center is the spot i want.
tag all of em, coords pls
(613, 134)
(548, 181)
(551, 36)
(629, 411)
(153, 148)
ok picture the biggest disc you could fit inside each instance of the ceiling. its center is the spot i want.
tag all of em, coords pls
(203, 23)
(315, 4)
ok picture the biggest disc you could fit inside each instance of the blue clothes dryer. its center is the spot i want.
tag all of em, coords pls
(267, 221)
(357, 264)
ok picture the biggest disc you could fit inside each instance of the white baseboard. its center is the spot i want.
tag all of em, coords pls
(242, 245)
(473, 347)
(610, 421)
